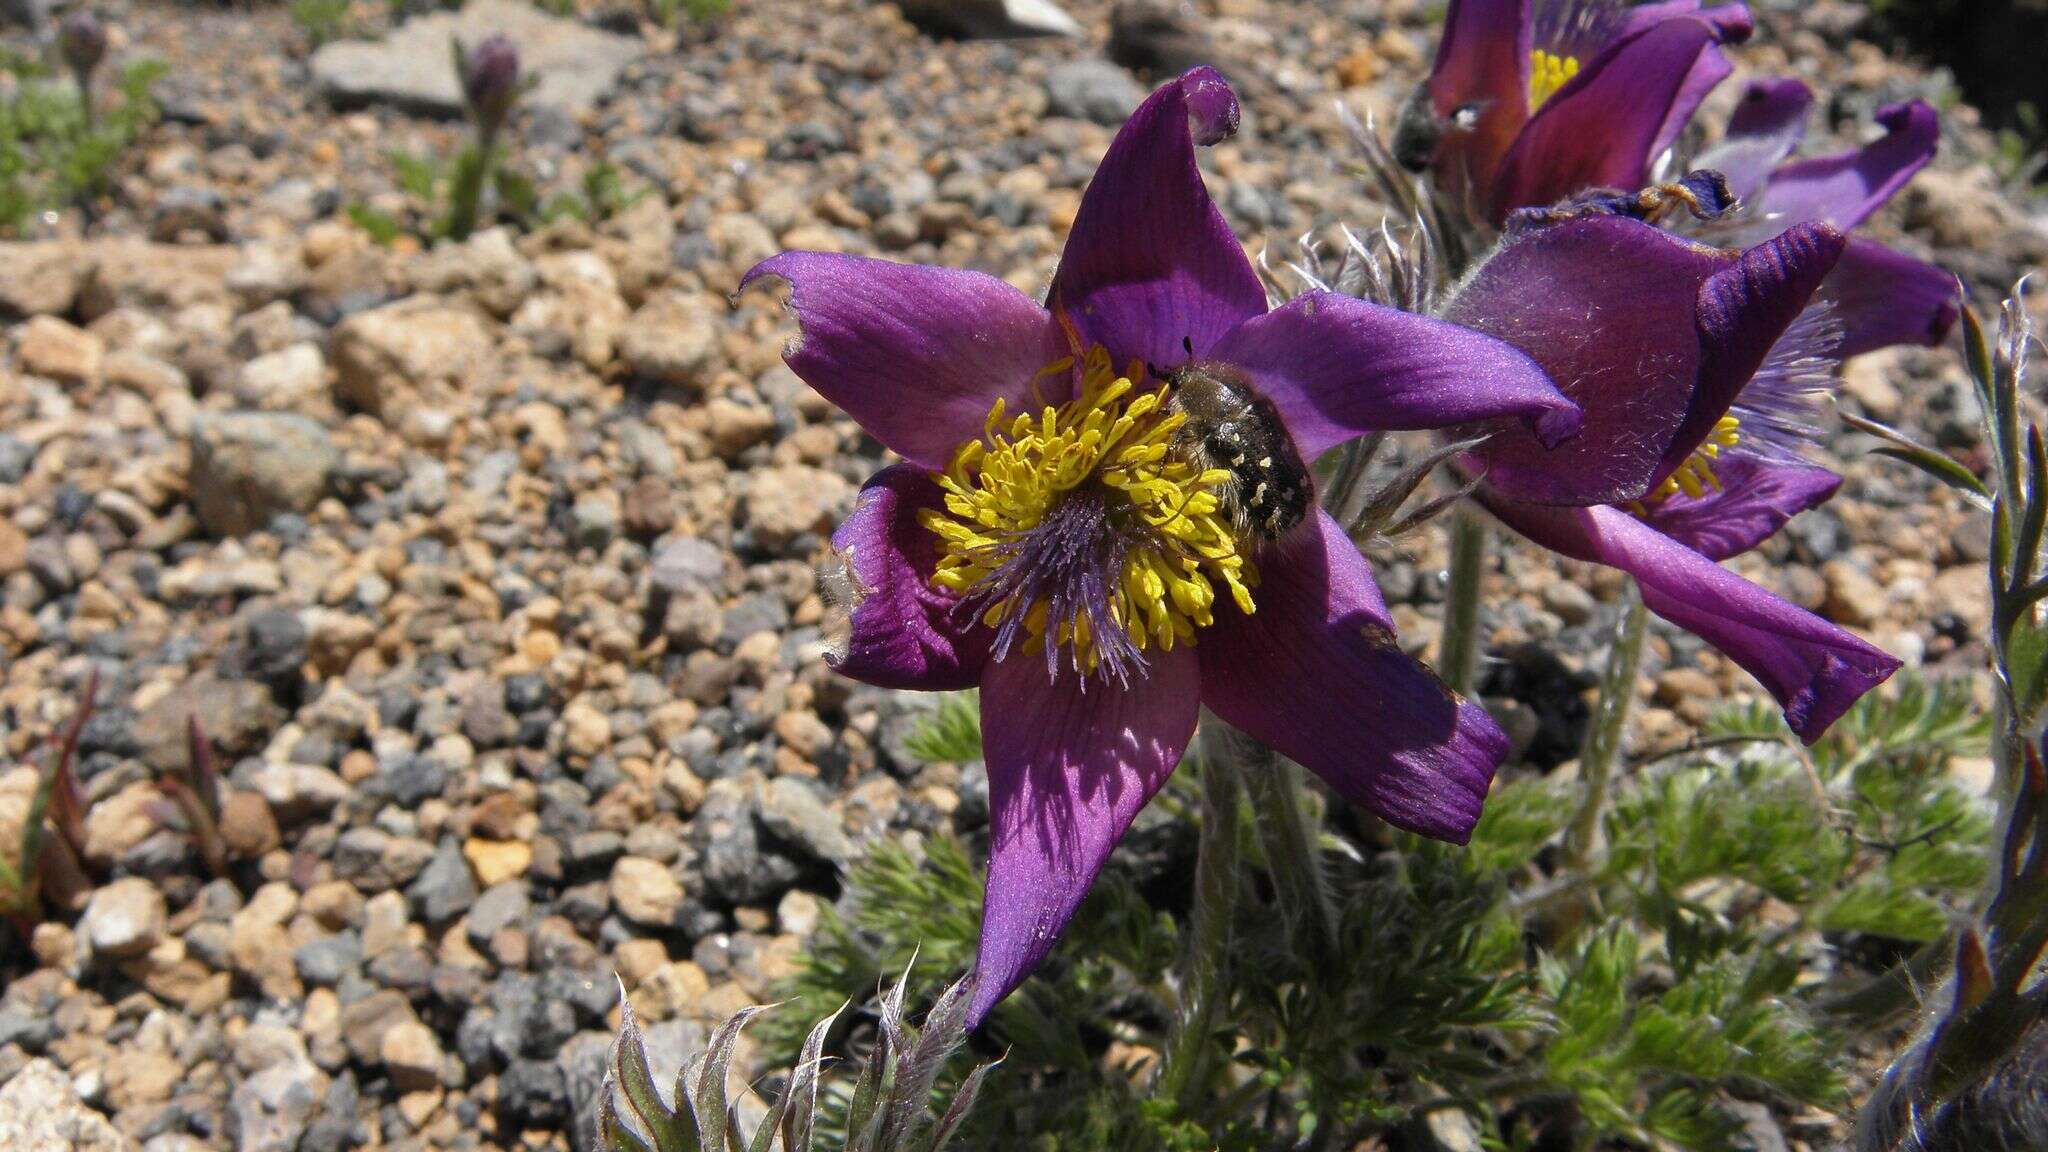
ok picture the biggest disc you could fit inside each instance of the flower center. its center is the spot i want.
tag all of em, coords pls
(1079, 532)
(1548, 72)
(1696, 476)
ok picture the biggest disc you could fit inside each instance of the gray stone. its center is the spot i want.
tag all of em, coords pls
(269, 1112)
(413, 69)
(1094, 90)
(687, 564)
(792, 811)
(444, 889)
(501, 906)
(326, 960)
(15, 457)
(248, 467)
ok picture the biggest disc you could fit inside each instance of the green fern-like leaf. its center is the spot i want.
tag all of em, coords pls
(951, 733)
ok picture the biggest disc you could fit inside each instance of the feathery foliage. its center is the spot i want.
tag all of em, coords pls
(1631, 1003)
(56, 150)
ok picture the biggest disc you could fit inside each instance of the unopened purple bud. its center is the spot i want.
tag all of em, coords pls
(83, 40)
(490, 80)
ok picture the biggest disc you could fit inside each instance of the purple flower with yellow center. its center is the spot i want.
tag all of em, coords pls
(1105, 520)
(1880, 296)
(1531, 101)
(1691, 364)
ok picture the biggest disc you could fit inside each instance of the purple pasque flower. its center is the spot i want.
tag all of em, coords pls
(491, 83)
(1880, 296)
(1690, 364)
(1069, 534)
(1530, 101)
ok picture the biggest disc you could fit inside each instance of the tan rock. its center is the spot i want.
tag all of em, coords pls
(42, 278)
(496, 861)
(248, 827)
(586, 731)
(672, 340)
(124, 918)
(386, 355)
(63, 352)
(159, 278)
(412, 1054)
(646, 892)
(1853, 597)
(40, 1112)
(787, 502)
(13, 548)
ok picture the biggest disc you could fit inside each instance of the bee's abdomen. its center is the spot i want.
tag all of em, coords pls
(1270, 488)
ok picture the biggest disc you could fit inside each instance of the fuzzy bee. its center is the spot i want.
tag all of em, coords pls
(1231, 427)
(1418, 129)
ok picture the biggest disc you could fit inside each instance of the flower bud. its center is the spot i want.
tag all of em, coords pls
(83, 41)
(490, 80)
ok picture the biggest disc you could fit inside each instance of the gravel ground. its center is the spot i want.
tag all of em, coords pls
(489, 568)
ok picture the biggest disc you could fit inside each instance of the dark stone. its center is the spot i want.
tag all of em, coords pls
(410, 780)
(533, 1094)
(528, 1023)
(274, 646)
(15, 457)
(526, 692)
(444, 889)
(1533, 676)
(334, 1129)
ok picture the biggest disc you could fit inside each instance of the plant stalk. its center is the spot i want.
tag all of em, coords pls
(472, 176)
(1287, 834)
(1458, 652)
(1610, 723)
(1183, 1065)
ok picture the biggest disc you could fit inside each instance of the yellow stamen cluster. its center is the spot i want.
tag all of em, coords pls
(1696, 476)
(1179, 543)
(1547, 73)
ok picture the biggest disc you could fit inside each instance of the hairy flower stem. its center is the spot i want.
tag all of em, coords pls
(1287, 835)
(1458, 653)
(1610, 722)
(472, 174)
(1183, 1075)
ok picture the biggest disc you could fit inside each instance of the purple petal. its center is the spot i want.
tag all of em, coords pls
(1847, 187)
(1814, 669)
(1482, 69)
(1316, 674)
(1067, 771)
(916, 355)
(1606, 308)
(1150, 262)
(905, 633)
(1743, 309)
(1733, 25)
(1601, 128)
(1756, 498)
(1883, 297)
(1336, 368)
(1732, 21)
(1706, 74)
(1766, 126)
